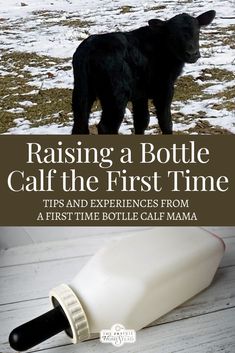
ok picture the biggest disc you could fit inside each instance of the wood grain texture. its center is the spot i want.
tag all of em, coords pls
(220, 295)
(83, 245)
(214, 333)
(59, 250)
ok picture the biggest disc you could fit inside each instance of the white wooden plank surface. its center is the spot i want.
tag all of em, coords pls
(214, 333)
(82, 246)
(12, 236)
(205, 324)
(53, 250)
(220, 295)
(18, 236)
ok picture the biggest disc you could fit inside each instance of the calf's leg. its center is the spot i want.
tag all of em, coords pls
(162, 103)
(113, 110)
(81, 111)
(140, 116)
(111, 120)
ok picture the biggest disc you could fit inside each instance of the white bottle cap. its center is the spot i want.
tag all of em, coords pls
(64, 296)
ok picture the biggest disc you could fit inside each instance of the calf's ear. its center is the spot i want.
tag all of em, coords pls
(155, 24)
(206, 18)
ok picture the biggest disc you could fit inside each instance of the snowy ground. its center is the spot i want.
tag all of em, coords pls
(38, 38)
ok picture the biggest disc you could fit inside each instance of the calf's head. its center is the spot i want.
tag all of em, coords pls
(182, 34)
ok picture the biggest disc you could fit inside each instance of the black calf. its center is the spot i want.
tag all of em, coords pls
(134, 66)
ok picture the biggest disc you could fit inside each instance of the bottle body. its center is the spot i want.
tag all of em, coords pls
(137, 279)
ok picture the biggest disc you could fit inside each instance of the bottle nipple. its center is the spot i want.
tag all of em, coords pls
(39, 329)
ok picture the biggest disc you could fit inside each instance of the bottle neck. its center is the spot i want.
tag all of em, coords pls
(65, 297)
